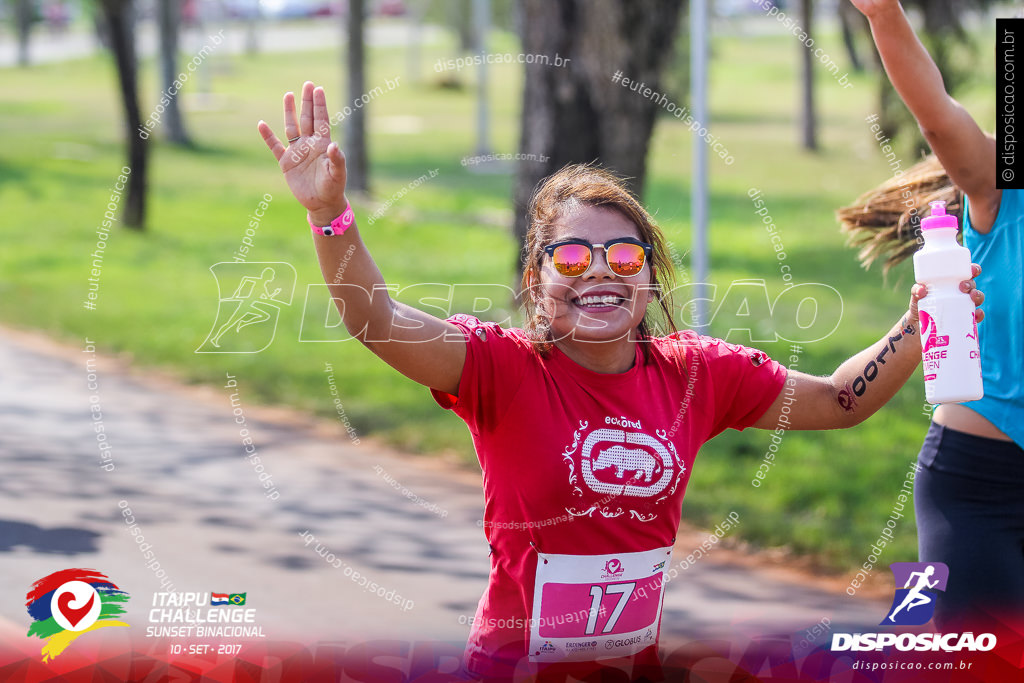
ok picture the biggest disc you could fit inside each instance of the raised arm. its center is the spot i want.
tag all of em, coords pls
(862, 384)
(966, 152)
(420, 346)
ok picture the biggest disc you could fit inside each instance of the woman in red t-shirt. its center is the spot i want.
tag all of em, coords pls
(586, 424)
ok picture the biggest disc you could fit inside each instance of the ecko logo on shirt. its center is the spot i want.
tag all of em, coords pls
(618, 465)
(630, 463)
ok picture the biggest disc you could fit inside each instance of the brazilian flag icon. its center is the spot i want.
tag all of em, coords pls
(237, 598)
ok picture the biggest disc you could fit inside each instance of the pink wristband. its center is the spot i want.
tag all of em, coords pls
(338, 226)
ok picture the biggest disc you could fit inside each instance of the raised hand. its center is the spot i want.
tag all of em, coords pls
(313, 166)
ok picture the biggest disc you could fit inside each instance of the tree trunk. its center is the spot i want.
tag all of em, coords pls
(808, 117)
(170, 29)
(851, 22)
(460, 13)
(355, 124)
(575, 112)
(23, 19)
(120, 23)
(941, 17)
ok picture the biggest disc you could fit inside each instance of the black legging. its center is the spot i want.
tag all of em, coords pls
(969, 501)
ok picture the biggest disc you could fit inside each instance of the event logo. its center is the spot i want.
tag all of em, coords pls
(929, 333)
(612, 569)
(70, 603)
(247, 319)
(914, 604)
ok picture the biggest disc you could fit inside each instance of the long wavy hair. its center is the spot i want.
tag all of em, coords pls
(590, 185)
(885, 222)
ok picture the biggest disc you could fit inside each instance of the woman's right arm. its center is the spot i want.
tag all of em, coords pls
(965, 151)
(422, 347)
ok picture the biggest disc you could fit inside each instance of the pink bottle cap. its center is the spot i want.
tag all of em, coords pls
(939, 218)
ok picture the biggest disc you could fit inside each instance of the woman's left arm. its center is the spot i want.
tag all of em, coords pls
(862, 384)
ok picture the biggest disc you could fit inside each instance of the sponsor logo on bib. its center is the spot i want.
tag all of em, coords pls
(612, 569)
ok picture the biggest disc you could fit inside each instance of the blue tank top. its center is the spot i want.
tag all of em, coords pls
(1000, 253)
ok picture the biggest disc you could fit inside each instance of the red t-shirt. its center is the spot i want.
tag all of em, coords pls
(584, 474)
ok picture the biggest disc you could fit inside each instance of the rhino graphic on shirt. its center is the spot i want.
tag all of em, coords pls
(635, 460)
(632, 463)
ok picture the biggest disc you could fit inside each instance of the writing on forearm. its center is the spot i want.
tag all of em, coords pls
(847, 396)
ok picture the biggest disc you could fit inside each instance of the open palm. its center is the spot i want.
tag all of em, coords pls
(313, 166)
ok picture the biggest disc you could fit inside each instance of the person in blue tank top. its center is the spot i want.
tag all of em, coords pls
(969, 493)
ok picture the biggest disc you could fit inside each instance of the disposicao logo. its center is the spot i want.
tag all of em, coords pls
(913, 605)
(69, 603)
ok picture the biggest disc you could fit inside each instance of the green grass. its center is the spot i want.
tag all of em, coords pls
(828, 494)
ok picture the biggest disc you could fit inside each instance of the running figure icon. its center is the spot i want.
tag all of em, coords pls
(250, 300)
(251, 303)
(915, 597)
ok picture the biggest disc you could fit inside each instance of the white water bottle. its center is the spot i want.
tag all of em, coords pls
(949, 334)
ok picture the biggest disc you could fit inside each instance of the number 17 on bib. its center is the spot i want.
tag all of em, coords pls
(590, 606)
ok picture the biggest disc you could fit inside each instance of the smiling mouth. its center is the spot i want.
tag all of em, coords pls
(598, 302)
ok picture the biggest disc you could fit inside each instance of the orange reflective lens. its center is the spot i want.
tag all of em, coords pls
(572, 260)
(625, 258)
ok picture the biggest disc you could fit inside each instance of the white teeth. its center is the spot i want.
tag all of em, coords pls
(606, 300)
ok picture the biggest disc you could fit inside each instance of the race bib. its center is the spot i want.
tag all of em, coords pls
(590, 606)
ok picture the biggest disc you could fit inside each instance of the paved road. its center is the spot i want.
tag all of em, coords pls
(179, 465)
